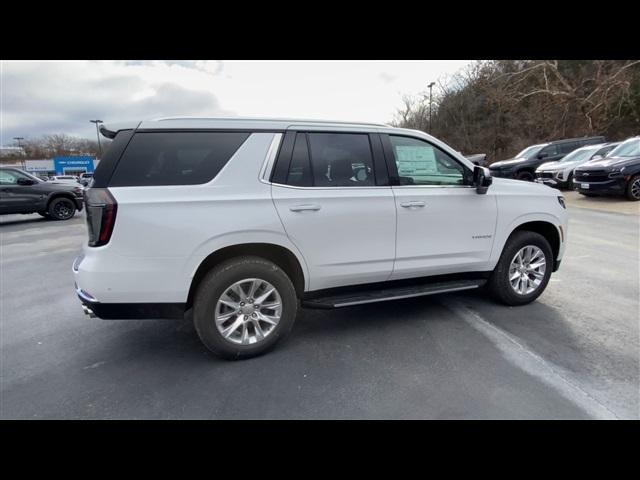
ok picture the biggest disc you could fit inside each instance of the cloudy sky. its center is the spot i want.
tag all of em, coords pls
(61, 97)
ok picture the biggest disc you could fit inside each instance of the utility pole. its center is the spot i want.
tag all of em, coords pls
(98, 135)
(430, 97)
(20, 146)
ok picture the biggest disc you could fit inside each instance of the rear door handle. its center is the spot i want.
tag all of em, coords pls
(413, 203)
(302, 208)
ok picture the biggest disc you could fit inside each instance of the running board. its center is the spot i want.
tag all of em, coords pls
(386, 294)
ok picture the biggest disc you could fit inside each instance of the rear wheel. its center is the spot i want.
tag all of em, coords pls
(633, 188)
(62, 209)
(523, 270)
(243, 307)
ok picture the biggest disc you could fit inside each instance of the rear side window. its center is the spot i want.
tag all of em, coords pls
(568, 147)
(175, 158)
(341, 159)
(300, 169)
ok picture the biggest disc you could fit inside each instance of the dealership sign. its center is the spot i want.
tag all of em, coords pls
(63, 164)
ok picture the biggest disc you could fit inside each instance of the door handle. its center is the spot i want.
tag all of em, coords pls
(413, 203)
(302, 208)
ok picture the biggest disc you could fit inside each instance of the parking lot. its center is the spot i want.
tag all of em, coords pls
(574, 353)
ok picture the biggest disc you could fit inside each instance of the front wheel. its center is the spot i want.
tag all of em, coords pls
(633, 188)
(524, 268)
(62, 209)
(243, 307)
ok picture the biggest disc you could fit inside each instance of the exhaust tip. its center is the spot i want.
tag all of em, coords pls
(88, 311)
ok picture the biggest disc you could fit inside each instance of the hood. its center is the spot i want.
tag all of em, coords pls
(533, 188)
(608, 162)
(507, 163)
(551, 166)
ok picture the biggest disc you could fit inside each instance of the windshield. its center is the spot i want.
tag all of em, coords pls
(530, 151)
(630, 148)
(579, 155)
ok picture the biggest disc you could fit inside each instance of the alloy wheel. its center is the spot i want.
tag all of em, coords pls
(248, 311)
(527, 270)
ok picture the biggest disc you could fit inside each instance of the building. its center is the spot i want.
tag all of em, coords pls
(74, 165)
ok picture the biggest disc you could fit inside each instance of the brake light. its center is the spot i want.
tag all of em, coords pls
(101, 210)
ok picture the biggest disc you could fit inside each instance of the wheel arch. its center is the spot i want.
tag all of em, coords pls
(281, 256)
(55, 195)
(548, 230)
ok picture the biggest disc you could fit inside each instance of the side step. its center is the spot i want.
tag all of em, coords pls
(393, 293)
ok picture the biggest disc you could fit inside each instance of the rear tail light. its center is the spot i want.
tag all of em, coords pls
(101, 210)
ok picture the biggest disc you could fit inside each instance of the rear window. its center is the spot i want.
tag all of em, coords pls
(175, 158)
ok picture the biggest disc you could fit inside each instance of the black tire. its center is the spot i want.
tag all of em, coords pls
(62, 209)
(633, 188)
(217, 281)
(525, 176)
(499, 284)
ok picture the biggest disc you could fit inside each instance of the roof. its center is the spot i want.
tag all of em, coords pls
(248, 123)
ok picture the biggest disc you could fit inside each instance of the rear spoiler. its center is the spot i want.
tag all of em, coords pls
(110, 131)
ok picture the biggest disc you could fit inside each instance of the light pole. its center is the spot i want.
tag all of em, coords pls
(17, 139)
(430, 87)
(98, 134)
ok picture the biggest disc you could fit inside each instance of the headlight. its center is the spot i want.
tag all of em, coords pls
(616, 172)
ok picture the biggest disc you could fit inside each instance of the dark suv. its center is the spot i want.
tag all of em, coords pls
(21, 192)
(617, 173)
(523, 165)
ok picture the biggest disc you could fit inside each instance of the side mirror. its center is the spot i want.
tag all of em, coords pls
(25, 181)
(597, 157)
(542, 155)
(481, 179)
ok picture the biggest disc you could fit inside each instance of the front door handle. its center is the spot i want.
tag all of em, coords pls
(413, 203)
(302, 208)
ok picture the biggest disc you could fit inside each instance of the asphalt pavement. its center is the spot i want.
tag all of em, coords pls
(572, 354)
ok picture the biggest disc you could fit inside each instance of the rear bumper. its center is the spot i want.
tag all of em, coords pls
(130, 311)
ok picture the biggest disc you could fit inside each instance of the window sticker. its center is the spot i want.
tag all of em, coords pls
(415, 160)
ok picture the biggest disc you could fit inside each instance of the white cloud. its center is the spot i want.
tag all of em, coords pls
(47, 97)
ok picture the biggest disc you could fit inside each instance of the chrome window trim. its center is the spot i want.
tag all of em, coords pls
(270, 158)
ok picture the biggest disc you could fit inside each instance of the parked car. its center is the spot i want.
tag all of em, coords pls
(21, 192)
(477, 159)
(618, 173)
(525, 163)
(560, 174)
(241, 220)
(85, 178)
(64, 179)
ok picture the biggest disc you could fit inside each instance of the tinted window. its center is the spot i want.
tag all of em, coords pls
(567, 147)
(300, 169)
(175, 158)
(550, 150)
(341, 159)
(420, 163)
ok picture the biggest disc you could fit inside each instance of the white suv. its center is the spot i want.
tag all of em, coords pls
(245, 220)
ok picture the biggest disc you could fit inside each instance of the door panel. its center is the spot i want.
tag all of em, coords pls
(346, 235)
(442, 230)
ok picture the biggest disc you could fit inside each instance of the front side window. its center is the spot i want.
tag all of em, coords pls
(10, 177)
(175, 158)
(341, 159)
(420, 163)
